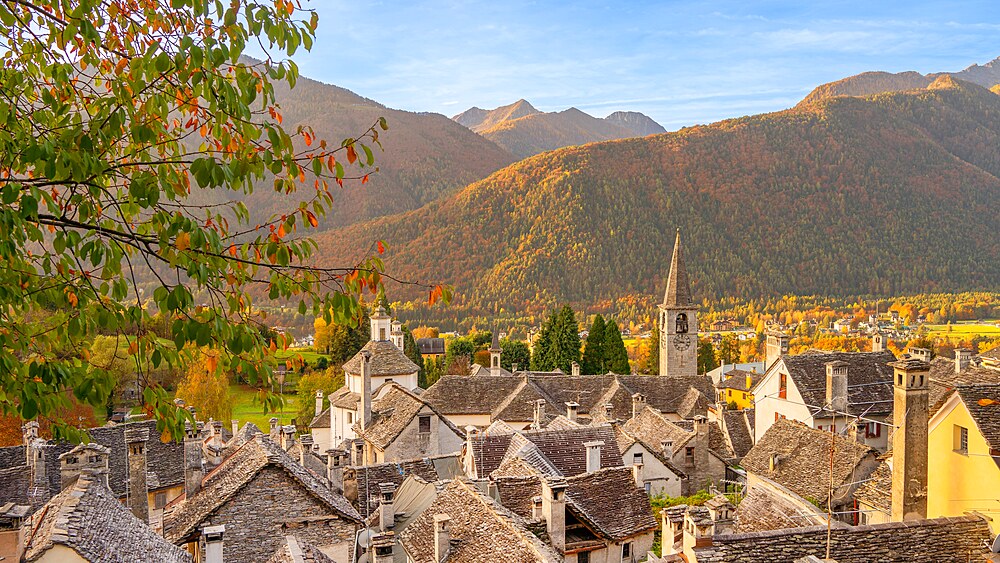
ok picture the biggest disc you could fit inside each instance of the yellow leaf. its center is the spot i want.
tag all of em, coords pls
(183, 241)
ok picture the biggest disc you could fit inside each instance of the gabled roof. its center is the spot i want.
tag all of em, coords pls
(218, 487)
(430, 469)
(983, 402)
(678, 293)
(803, 459)
(876, 491)
(459, 394)
(562, 449)
(386, 360)
(393, 412)
(869, 379)
(943, 378)
(652, 429)
(737, 379)
(762, 510)
(737, 429)
(88, 518)
(480, 529)
(298, 551)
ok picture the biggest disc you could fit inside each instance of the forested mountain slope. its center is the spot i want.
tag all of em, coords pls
(890, 194)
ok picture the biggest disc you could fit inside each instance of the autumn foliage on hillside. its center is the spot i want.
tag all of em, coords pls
(888, 195)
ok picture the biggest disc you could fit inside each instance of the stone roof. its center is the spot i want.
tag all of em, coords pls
(564, 449)
(992, 354)
(652, 429)
(430, 469)
(392, 413)
(458, 394)
(88, 518)
(761, 510)
(477, 370)
(920, 541)
(184, 516)
(803, 459)
(342, 398)
(737, 429)
(12, 456)
(983, 402)
(430, 345)
(943, 378)
(15, 483)
(877, 490)
(869, 379)
(481, 531)
(678, 293)
(386, 360)
(298, 551)
(737, 379)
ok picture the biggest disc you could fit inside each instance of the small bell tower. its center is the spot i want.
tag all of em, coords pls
(678, 320)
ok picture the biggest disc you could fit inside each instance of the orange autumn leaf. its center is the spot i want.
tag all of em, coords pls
(183, 241)
(986, 402)
(380, 246)
(351, 155)
(211, 362)
(73, 300)
(133, 347)
(312, 219)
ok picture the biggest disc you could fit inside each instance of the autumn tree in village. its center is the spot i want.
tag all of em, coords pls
(129, 134)
(206, 387)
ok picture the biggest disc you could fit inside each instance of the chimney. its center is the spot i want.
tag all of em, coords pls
(554, 510)
(668, 448)
(637, 475)
(138, 494)
(572, 408)
(85, 457)
(536, 508)
(539, 416)
(274, 431)
(836, 386)
(513, 367)
(878, 342)
(638, 404)
(593, 455)
(319, 402)
(777, 344)
(359, 452)
(335, 462)
(962, 358)
(380, 325)
(609, 410)
(909, 439)
(213, 542)
(397, 334)
(193, 468)
(34, 452)
(366, 388)
(287, 439)
(442, 537)
(575, 369)
(387, 514)
(236, 426)
(698, 530)
(306, 441)
(668, 533)
(922, 354)
(382, 545)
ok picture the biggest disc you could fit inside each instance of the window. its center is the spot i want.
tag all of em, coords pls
(689, 454)
(160, 500)
(583, 557)
(425, 424)
(649, 487)
(783, 385)
(626, 550)
(350, 417)
(961, 439)
(873, 430)
(381, 334)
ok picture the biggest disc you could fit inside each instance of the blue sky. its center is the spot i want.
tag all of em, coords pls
(681, 63)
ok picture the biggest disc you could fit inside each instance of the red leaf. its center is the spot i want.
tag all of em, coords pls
(380, 247)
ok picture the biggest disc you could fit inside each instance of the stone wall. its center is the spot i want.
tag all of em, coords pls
(940, 539)
(269, 507)
(412, 444)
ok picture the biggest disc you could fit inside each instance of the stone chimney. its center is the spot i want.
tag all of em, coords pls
(539, 415)
(637, 475)
(572, 409)
(593, 455)
(442, 537)
(366, 388)
(85, 457)
(554, 510)
(698, 530)
(380, 325)
(306, 441)
(638, 404)
(575, 367)
(213, 543)
(495, 352)
(138, 493)
(909, 439)
(274, 431)
(387, 513)
(287, 439)
(319, 402)
(236, 426)
(397, 334)
(513, 367)
(962, 358)
(878, 342)
(609, 410)
(777, 344)
(359, 452)
(667, 446)
(836, 385)
(922, 354)
(34, 451)
(382, 545)
(193, 467)
(335, 462)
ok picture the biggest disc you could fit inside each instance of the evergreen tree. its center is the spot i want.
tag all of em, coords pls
(558, 344)
(542, 351)
(706, 357)
(514, 352)
(594, 353)
(412, 351)
(615, 354)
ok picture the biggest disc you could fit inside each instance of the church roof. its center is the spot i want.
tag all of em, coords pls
(678, 292)
(386, 360)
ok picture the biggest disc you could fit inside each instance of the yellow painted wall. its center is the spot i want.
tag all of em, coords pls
(743, 399)
(958, 482)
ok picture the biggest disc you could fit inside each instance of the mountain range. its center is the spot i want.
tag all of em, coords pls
(524, 131)
(841, 195)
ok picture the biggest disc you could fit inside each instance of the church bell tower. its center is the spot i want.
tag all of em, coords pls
(678, 321)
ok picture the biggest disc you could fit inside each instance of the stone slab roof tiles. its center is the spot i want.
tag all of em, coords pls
(762, 510)
(983, 402)
(481, 531)
(869, 379)
(877, 490)
(803, 458)
(88, 518)
(393, 412)
(299, 551)
(183, 518)
(386, 360)
(943, 378)
(737, 431)
(564, 449)
(457, 394)
(430, 469)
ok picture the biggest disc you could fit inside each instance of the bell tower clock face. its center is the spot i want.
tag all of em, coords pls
(682, 342)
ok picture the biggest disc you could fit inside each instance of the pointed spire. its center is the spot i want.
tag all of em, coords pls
(678, 292)
(495, 346)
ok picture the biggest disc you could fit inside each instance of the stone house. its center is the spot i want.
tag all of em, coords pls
(293, 550)
(564, 452)
(86, 523)
(403, 426)
(737, 388)
(828, 391)
(260, 494)
(363, 485)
